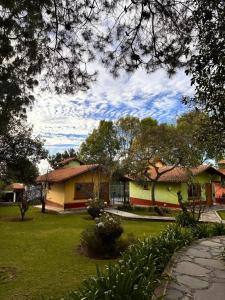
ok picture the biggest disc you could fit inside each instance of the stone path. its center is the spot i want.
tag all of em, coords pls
(132, 216)
(198, 272)
(210, 216)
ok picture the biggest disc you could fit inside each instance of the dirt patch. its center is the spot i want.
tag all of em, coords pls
(7, 274)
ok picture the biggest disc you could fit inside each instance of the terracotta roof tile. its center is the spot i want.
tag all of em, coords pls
(65, 174)
(221, 161)
(17, 186)
(181, 174)
(222, 171)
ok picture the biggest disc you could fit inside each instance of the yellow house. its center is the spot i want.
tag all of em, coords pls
(74, 184)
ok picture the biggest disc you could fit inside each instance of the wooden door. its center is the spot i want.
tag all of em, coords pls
(208, 194)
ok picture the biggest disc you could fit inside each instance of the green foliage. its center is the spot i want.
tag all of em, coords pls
(101, 239)
(138, 272)
(218, 229)
(200, 231)
(101, 145)
(19, 153)
(185, 219)
(95, 207)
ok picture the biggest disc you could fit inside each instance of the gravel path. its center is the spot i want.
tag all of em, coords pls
(198, 272)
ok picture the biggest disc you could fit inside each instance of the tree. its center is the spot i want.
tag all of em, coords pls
(206, 66)
(55, 159)
(176, 145)
(19, 153)
(101, 146)
(206, 143)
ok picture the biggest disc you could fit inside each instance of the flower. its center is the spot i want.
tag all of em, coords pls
(101, 224)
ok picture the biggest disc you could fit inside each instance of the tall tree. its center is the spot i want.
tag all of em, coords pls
(206, 66)
(101, 146)
(19, 153)
(176, 145)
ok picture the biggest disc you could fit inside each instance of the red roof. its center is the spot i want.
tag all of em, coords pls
(222, 171)
(181, 174)
(65, 174)
(221, 162)
(17, 186)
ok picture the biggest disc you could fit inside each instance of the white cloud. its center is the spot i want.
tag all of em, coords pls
(67, 119)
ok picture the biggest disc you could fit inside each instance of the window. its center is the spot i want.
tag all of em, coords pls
(194, 191)
(145, 186)
(83, 190)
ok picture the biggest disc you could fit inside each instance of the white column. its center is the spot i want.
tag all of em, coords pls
(14, 196)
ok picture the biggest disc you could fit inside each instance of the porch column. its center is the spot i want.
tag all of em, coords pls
(14, 196)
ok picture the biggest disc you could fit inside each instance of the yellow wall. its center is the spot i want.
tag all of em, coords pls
(72, 164)
(90, 177)
(167, 192)
(164, 192)
(56, 193)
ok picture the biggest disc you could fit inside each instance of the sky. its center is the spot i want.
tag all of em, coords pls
(64, 121)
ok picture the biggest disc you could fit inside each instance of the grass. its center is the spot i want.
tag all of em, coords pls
(146, 212)
(43, 252)
(221, 213)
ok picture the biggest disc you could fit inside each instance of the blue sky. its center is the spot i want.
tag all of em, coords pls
(64, 121)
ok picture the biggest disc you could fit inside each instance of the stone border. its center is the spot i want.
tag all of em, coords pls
(162, 289)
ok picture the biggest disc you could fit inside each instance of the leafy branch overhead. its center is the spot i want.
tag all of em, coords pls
(60, 39)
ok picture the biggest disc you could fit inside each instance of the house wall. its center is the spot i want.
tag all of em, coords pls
(72, 164)
(90, 177)
(55, 194)
(166, 193)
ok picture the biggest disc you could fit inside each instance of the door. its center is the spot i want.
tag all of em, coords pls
(208, 194)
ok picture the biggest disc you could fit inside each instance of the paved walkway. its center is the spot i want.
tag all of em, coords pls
(132, 216)
(208, 216)
(198, 272)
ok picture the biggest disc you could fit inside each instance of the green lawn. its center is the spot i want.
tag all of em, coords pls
(145, 212)
(42, 255)
(222, 214)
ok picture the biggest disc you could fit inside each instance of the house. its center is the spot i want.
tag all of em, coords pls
(194, 184)
(12, 192)
(220, 186)
(74, 183)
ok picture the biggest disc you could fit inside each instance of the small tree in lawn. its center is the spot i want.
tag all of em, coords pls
(23, 205)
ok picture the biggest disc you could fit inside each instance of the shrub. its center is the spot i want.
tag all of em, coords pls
(201, 231)
(218, 229)
(138, 272)
(108, 227)
(185, 219)
(101, 240)
(95, 207)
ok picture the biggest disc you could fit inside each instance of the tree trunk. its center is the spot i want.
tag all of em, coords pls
(157, 209)
(124, 192)
(42, 205)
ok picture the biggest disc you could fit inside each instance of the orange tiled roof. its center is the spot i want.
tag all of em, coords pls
(67, 160)
(181, 174)
(65, 174)
(17, 186)
(222, 171)
(222, 161)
